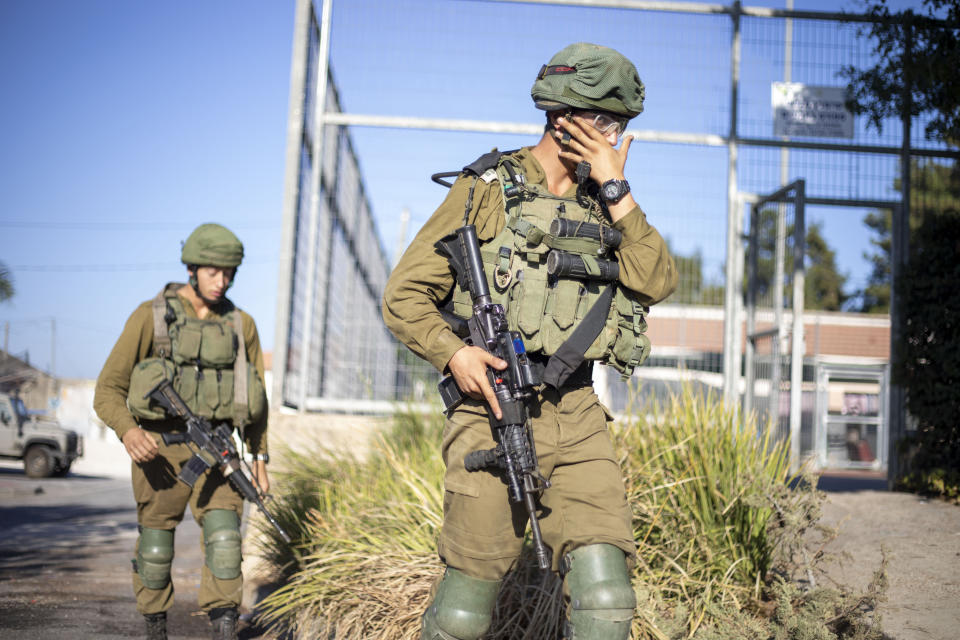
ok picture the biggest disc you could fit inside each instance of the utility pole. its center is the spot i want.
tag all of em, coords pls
(53, 347)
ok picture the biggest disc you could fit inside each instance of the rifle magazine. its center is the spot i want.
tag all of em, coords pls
(449, 393)
(195, 467)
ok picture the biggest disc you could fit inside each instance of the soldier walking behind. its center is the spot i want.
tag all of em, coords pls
(194, 336)
(559, 234)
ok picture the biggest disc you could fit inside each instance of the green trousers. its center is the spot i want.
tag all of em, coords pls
(161, 503)
(483, 532)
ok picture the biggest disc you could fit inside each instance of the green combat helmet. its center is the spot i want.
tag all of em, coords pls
(212, 245)
(588, 76)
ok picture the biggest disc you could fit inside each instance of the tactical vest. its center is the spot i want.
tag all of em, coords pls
(206, 360)
(550, 310)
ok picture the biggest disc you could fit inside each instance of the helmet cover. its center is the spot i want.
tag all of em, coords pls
(589, 76)
(212, 245)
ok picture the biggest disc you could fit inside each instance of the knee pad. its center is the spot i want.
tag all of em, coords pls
(154, 557)
(461, 608)
(221, 540)
(602, 601)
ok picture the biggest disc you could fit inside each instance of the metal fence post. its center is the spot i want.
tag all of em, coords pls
(291, 196)
(731, 324)
(899, 250)
(798, 348)
(322, 232)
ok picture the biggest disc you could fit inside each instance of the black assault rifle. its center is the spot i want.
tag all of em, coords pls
(514, 454)
(213, 446)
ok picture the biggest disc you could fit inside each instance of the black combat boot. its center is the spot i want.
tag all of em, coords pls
(156, 625)
(224, 623)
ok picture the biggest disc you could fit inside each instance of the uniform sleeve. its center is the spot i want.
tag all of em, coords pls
(255, 433)
(646, 265)
(423, 278)
(110, 394)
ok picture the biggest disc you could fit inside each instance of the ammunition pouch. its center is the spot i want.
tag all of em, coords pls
(205, 360)
(550, 265)
(208, 392)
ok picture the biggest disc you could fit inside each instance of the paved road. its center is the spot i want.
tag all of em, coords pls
(65, 548)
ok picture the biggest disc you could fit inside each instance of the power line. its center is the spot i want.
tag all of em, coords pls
(74, 225)
(110, 268)
(144, 266)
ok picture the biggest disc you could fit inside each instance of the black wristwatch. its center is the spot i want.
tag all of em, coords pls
(612, 191)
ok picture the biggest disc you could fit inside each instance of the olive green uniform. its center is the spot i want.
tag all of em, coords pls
(161, 498)
(482, 533)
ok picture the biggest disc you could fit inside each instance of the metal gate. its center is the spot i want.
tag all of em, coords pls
(774, 312)
(852, 427)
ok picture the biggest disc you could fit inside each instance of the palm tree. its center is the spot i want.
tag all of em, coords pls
(6, 283)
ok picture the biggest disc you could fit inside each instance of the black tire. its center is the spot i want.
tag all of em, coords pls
(62, 470)
(39, 462)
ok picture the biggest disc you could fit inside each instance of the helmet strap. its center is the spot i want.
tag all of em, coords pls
(192, 270)
(230, 284)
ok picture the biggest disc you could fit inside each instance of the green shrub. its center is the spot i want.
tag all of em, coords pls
(701, 483)
(712, 516)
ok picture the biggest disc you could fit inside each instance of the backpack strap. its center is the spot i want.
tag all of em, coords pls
(240, 394)
(162, 345)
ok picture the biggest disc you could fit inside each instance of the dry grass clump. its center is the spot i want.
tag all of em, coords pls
(718, 530)
(364, 557)
(698, 477)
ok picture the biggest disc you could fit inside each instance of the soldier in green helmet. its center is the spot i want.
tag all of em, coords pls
(193, 335)
(564, 201)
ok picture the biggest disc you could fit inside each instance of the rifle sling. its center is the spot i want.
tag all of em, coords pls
(569, 356)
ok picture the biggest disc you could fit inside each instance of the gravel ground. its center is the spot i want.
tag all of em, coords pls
(922, 542)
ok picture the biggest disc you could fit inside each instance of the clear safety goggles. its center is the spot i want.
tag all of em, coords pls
(604, 122)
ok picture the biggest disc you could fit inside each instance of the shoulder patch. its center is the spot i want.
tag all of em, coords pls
(489, 176)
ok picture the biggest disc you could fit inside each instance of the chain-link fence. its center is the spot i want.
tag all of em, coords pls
(421, 86)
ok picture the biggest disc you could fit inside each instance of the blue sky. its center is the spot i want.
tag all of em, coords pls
(126, 124)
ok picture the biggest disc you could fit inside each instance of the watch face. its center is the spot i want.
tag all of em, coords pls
(611, 190)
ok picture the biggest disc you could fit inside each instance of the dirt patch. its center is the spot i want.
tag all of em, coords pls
(922, 542)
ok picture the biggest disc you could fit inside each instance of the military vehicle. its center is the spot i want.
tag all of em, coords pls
(45, 447)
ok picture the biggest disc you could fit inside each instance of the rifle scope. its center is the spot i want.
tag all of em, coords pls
(570, 265)
(566, 228)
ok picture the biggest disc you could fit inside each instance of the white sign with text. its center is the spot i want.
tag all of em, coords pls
(810, 111)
